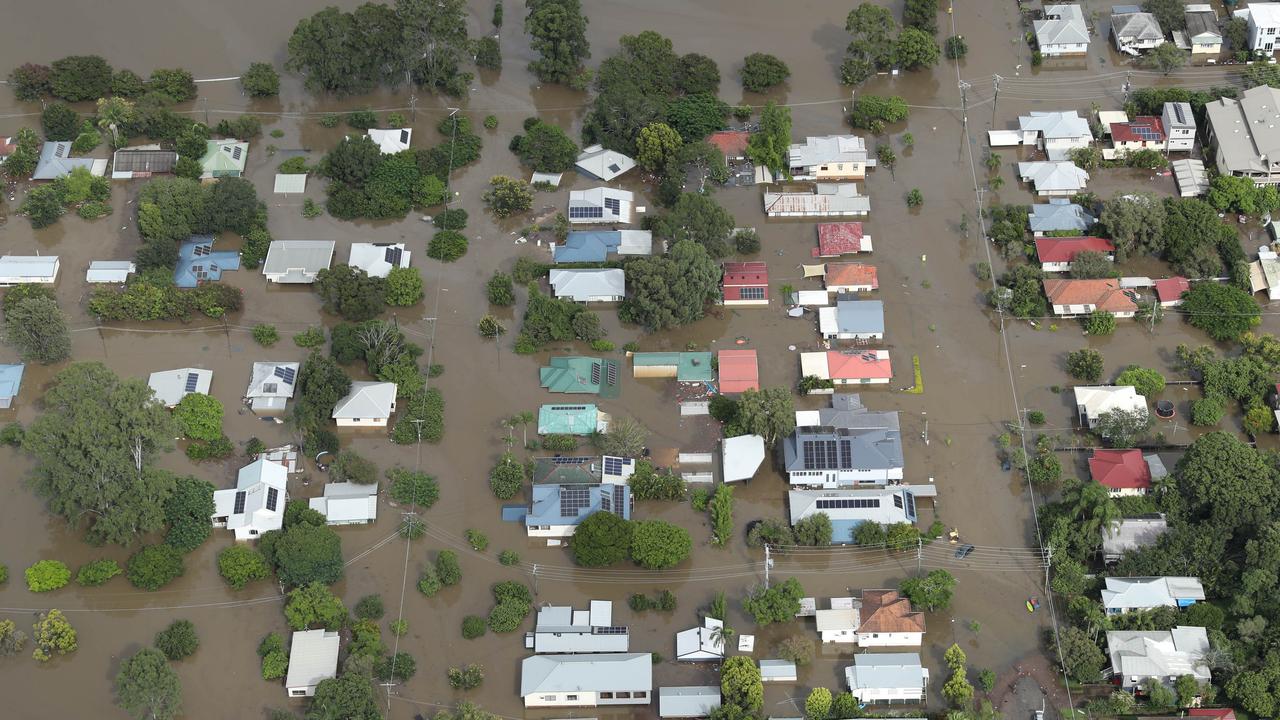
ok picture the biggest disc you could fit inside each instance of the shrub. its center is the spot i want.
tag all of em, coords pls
(412, 488)
(399, 666)
(447, 246)
(466, 678)
(12, 435)
(330, 120)
(491, 122)
(350, 466)
(53, 634)
(1035, 417)
(1100, 322)
(746, 242)
(47, 575)
(429, 581)
(314, 605)
(666, 601)
(473, 626)
(260, 80)
(178, 641)
(275, 665)
(265, 335)
(447, 568)
(97, 572)
(362, 119)
(369, 607)
(915, 198)
(639, 602)
(500, 290)
(455, 219)
(155, 566)
(239, 565)
(312, 337)
(761, 72)
(399, 627)
(509, 558)
(478, 540)
(11, 638)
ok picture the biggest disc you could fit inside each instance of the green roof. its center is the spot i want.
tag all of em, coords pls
(566, 470)
(567, 419)
(581, 375)
(690, 366)
(224, 158)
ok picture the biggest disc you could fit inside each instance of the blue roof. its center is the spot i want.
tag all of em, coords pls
(10, 382)
(571, 504)
(587, 247)
(860, 316)
(198, 262)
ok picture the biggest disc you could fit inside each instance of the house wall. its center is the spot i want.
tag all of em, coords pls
(895, 639)
(828, 479)
(837, 171)
(1056, 49)
(1126, 492)
(1073, 310)
(361, 422)
(850, 288)
(584, 699)
(860, 381)
(550, 531)
(1262, 39)
(889, 696)
(840, 636)
(854, 336)
(1206, 48)
(302, 691)
(1067, 143)
(1055, 266)
(654, 371)
(11, 280)
(1055, 193)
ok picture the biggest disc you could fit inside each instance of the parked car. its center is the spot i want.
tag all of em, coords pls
(963, 551)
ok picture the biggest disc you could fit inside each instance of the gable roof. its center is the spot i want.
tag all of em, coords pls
(731, 143)
(272, 379)
(56, 161)
(568, 419)
(691, 366)
(701, 643)
(1064, 249)
(1098, 399)
(258, 499)
(1150, 592)
(224, 158)
(10, 383)
(824, 199)
(825, 149)
(145, 160)
(859, 364)
(1136, 26)
(313, 656)
(850, 273)
(841, 238)
(847, 411)
(109, 271)
(30, 268)
(367, 400)
(692, 701)
(886, 671)
(1120, 469)
(585, 284)
(583, 246)
(738, 371)
(886, 611)
(1059, 214)
(1202, 27)
(378, 259)
(1059, 175)
(1063, 25)
(1159, 653)
(576, 374)
(616, 672)
(1132, 533)
(852, 316)
(1054, 125)
(297, 259)
(604, 164)
(170, 386)
(1170, 289)
(346, 502)
(391, 140)
(1104, 294)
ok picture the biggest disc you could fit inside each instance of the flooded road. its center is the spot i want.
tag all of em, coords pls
(975, 379)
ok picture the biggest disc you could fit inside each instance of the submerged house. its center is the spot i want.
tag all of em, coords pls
(256, 504)
(826, 200)
(571, 420)
(379, 259)
(1092, 401)
(858, 367)
(741, 457)
(683, 366)
(889, 678)
(1145, 132)
(1202, 32)
(1124, 595)
(199, 263)
(1138, 656)
(845, 457)
(1061, 179)
(391, 140)
(731, 143)
(170, 386)
(589, 680)
(1130, 534)
(1057, 253)
(1057, 133)
(56, 162)
(561, 629)
(1244, 132)
(313, 658)
(597, 162)
(346, 503)
(142, 162)
(576, 374)
(10, 384)
(1073, 298)
(829, 158)
(841, 238)
(600, 205)
(271, 384)
(852, 320)
(595, 246)
(297, 261)
(589, 285)
(745, 283)
(850, 277)
(1059, 215)
(848, 508)
(22, 269)
(1125, 472)
(556, 510)
(738, 371)
(223, 158)
(369, 404)
(889, 621)
(701, 644)
(109, 271)
(1062, 31)
(1134, 31)
(690, 701)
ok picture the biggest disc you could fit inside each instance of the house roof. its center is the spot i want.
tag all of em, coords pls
(313, 656)
(731, 143)
(885, 505)
(600, 204)
(1060, 175)
(1098, 399)
(690, 366)
(825, 199)
(1063, 249)
(886, 611)
(576, 374)
(378, 259)
(345, 502)
(738, 371)
(149, 160)
(295, 260)
(290, 183)
(1178, 115)
(224, 157)
(563, 470)
(844, 448)
(561, 629)
(841, 238)
(848, 412)
(852, 316)
(199, 263)
(836, 619)
(366, 400)
(109, 271)
(1150, 592)
(1171, 289)
(604, 164)
(1136, 27)
(1247, 131)
(693, 701)
(29, 266)
(1059, 214)
(749, 274)
(552, 179)
(1120, 469)
(826, 149)
(701, 643)
(391, 140)
(10, 381)
(170, 386)
(885, 671)
(849, 273)
(615, 672)
(595, 245)
(272, 379)
(56, 161)
(1218, 713)
(866, 364)
(1132, 533)
(1190, 175)
(1144, 128)
(742, 457)
(568, 419)
(258, 499)
(1063, 25)
(1054, 125)
(1104, 294)
(586, 284)
(777, 669)
(1159, 653)
(1202, 27)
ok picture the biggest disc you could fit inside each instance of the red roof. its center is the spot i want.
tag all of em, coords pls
(838, 238)
(1120, 469)
(1102, 294)
(733, 143)
(852, 274)
(1145, 128)
(738, 371)
(7, 146)
(1057, 250)
(750, 274)
(1171, 289)
(859, 365)
(1220, 713)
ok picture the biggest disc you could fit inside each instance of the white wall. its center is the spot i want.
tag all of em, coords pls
(361, 422)
(897, 639)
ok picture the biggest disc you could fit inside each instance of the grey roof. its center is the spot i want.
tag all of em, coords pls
(848, 412)
(860, 316)
(1063, 25)
(864, 440)
(777, 669)
(886, 671)
(297, 260)
(1132, 533)
(366, 400)
(1203, 25)
(272, 379)
(890, 504)
(1060, 214)
(1053, 176)
(603, 164)
(690, 701)
(1162, 654)
(1178, 116)
(1135, 26)
(56, 161)
(1247, 130)
(1150, 592)
(1056, 124)
(170, 386)
(561, 629)
(614, 672)
(313, 656)
(290, 183)
(825, 199)
(109, 271)
(148, 160)
(582, 285)
(568, 504)
(827, 149)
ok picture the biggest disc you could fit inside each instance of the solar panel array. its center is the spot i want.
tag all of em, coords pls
(595, 373)
(845, 503)
(828, 455)
(239, 508)
(573, 500)
(613, 204)
(192, 381)
(613, 466)
(287, 374)
(202, 249)
(586, 212)
(1146, 133)
(609, 630)
(404, 137)
(393, 255)
(557, 460)
(235, 152)
(273, 495)
(613, 372)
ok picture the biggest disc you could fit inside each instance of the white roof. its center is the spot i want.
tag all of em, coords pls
(886, 671)
(552, 179)
(604, 164)
(1191, 177)
(698, 643)
(170, 386)
(1098, 399)
(693, 701)
(1107, 117)
(109, 271)
(635, 242)
(1163, 654)
(1130, 533)
(391, 140)
(888, 503)
(1054, 125)
(827, 149)
(272, 379)
(777, 669)
(377, 259)
(313, 656)
(1064, 26)
(837, 619)
(1264, 14)
(297, 260)
(287, 184)
(1150, 592)
(613, 672)
(367, 400)
(583, 203)
(742, 457)
(1055, 175)
(261, 509)
(347, 502)
(29, 266)
(582, 285)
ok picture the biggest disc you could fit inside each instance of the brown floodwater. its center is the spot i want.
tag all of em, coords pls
(934, 309)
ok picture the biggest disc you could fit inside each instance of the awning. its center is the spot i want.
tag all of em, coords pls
(1257, 279)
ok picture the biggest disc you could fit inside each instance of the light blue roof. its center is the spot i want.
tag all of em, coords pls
(198, 262)
(571, 504)
(1059, 215)
(10, 383)
(587, 247)
(860, 316)
(568, 419)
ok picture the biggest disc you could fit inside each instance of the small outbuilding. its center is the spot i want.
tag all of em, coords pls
(313, 657)
(346, 503)
(693, 701)
(701, 644)
(10, 384)
(22, 269)
(109, 271)
(170, 386)
(778, 671)
(297, 261)
(742, 457)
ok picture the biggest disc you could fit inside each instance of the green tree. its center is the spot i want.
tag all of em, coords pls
(740, 684)
(12, 640)
(507, 477)
(94, 446)
(921, 14)
(199, 416)
(260, 80)
(1169, 13)
(1135, 223)
(1225, 481)
(697, 74)
(42, 206)
(761, 72)
(777, 604)
(1100, 322)
(351, 292)
(1092, 264)
(656, 146)
(1224, 312)
(46, 575)
(601, 539)
(1085, 364)
(814, 530)
(435, 34)
(507, 196)
(544, 147)
(658, 545)
(350, 466)
(305, 554)
(409, 487)
(769, 146)
(694, 117)
(154, 566)
(187, 511)
(447, 568)
(955, 47)
(37, 328)
(29, 81)
(177, 84)
(558, 32)
(1123, 428)
(1148, 383)
(1165, 57)
(348, 696)
(447, 246)
(147, 688)
(665, 292)
(97, 572)
(769, 413)
(115, 114)
(178, 641)
(916, 49)
(818, 705)
(52, 635)
(1195, 240)
(698, 218)
(1081, 658)
(500, 290)
(626, 438)
(77, 78)
(60, 122)
(931, 592)
(957, 690)
(314, 605)
(871, 48)
(873, 112)
(239, 565)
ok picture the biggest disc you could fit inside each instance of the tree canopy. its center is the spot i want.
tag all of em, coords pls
(558, 32)
(147, 688)
(1224, 312)
(672, 290)
(601, 539)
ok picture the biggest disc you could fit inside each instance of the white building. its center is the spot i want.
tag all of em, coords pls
(1057, 133)
(378, 259)
(1202, 34)
(826, 200)
(1134, 31)
(852, 320)
(561, 629)
(589, 285)
(170, 386)
(600, 205)
(603, 164)
(256, 504)
(1124, 595)
(741, 457)
(598, 680)
(313, 657)
(19, 269)
(391, 140)
(830, 157)
(848, 509)
(271, 384)
(109, 271)
(701, 644)
(1179, 126)
(297, 261)
(1264, 26)
(1140, 655)
(1092, 401)
(1053, 179)
(369, 404)
(892, 678)
(691, 701)
(1062, 31)
(345, 503)
(839, 623)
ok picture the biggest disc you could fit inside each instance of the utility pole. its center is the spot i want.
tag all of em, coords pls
(413, 97)
(768, 563)
(535, 577)
(1127, 85)
(995, 79)
(204, 102)
(1048, 563)
(453, 138)
(919, 554)
(964, 102)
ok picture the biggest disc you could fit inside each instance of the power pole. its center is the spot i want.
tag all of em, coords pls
(204, 102)
(964, 102)
(535, 577)
(413, 97)
(768, 563)
(919, 554)
(453, 138)
(995, 79)
(1048, 563)
(1127, 85)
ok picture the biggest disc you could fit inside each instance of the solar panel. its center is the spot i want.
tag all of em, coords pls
(846, 455)
(573, 499)
(613, 373)
(613, 204)
(59, 150)
(393, 255)
(613, 466)
(273, 495)
(285, 373)
(568, 460)
(203, 249)
(192, 381)
(619, 500)
(404, 137)
(848, 503)
(606, 502)
(586, 212)
(239, 508)
(613, 168)
(235, 153)
(595, 374)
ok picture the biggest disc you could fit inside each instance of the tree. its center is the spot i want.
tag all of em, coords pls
(798, 650)
(398, 666)
(187, 510)
(239, 565)
(602, 539)
(260, 80)
(314, 605)
(1225, 481)
(818, 705)
(1135, 223)
(931, 592)
(813, 530)
(558, 32)
(1081, 658)
(955, 48)
(60, 122)
(626, 438)
(507, 477)
(697, 74)
(656, 146)
(670, 291)
(957, 690)
(507, 196)
(1195, 240)
(1100, 322)
(29, 81)
(52, 634)
(306, 554)
(916, 49)
(500, 290)
(694, 117)
(1085, 364)
(42, 206)
(46, 575)
(544, 147)
(37, 328)
(761, 72)
(97, 572)
(1225, 312)
(350, 466)
(12, 640)
(147, 688)
(435, 36)
(658, 545)
(348, 696)
(921, 14)
(740, 684)
(769, 413)
(873, 112)
(370, 607)
(155, 566)
(94, 446)
(1122, 428)
(769, 146)
(1148, 383)
(199, 416)
(777, 604)
(1169, 13)
(698, 218)
(1236, 32)
(447, 246)
(351, 292)
(404, 286)
(178, 641)
(1165, 57)
(1092, 264)
(871, 48)
(77, 78)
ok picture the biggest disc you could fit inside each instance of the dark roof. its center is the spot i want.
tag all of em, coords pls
(154, 161)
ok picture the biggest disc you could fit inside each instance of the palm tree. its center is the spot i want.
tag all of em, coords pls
(524, 419)
(1092, 506)
(722, 636)
(114, 113)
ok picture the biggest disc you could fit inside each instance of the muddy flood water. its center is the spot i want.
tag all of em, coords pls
(975, 377)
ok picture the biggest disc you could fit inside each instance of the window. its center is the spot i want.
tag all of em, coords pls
(606, 696)
(640, 695)
(297, 693)
(752, 293)
(549, 698)
(570, 697)
(622, 695)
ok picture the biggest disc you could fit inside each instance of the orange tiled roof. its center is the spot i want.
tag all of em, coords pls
(852, 274)
(1104, 294)
(885, 611)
